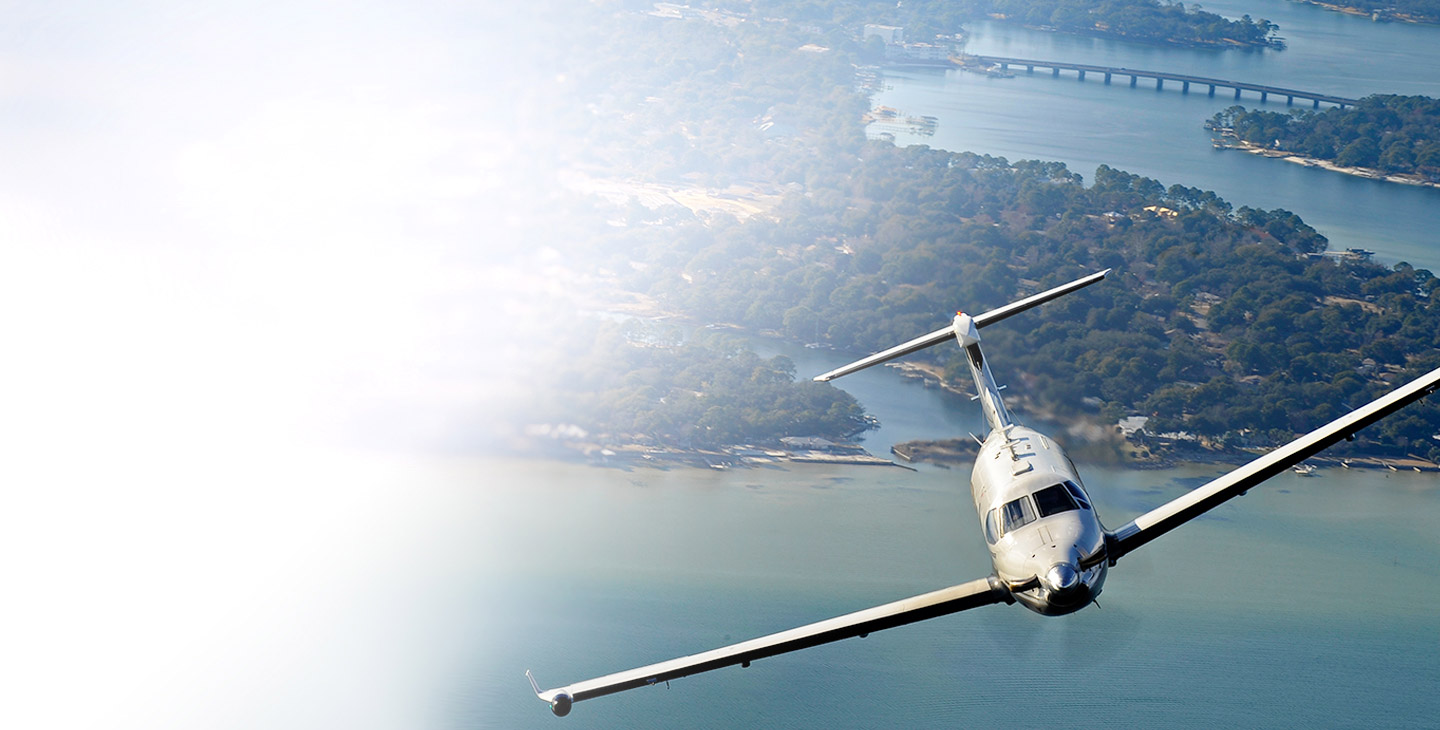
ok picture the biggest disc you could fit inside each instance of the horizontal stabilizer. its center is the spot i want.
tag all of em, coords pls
(919, 343)
(981, 320)
(1010, 310)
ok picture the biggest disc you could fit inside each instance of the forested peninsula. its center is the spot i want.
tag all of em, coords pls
(1146, 21)
(1407, 11)
(650, 381)
(1226, 323)
(1382, 134)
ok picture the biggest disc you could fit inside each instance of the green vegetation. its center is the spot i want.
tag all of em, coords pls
(1415, 11)
(1220, 321)
(1142, 20)
(1148, 21)
(644, 383)
(1396, 134)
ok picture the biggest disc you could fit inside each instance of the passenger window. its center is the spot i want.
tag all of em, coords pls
(1053, 500)
(1078, 494)
(1018, 513)
(992, 527)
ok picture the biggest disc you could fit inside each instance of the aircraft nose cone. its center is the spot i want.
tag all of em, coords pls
(1062, 578)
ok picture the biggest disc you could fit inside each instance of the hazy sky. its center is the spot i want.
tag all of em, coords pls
(227, 229)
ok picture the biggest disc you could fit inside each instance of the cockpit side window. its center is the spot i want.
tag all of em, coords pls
(1053, 500)
(992, 526)
(1018, 513)
(1078, 494)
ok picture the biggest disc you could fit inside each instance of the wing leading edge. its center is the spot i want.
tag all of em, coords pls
(1192, 504)
(973, 594)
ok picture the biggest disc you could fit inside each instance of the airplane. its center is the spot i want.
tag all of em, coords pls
(1048, 548)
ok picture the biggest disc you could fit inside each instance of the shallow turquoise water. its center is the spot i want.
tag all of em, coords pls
(1309, 601)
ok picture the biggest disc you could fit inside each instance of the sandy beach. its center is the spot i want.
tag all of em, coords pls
(1364, 172)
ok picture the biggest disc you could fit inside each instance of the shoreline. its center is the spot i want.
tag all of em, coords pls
(1362, 172)
(1105, 33)
(945, 454)
(626, 456)
(948, 453)
(1373, 15)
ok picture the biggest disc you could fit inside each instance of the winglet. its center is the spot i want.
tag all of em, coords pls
(560, 700)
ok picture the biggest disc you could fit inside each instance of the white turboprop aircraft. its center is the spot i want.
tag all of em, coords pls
(1048, 548)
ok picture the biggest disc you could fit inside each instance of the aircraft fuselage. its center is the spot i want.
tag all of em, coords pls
(1045, 539)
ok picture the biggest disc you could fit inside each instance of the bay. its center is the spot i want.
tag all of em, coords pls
(1158, 133)
(1308, 601)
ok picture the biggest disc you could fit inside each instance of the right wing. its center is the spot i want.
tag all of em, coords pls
(1192, 504)
(974, 594)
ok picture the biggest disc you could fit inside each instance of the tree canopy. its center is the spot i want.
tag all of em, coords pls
(646, 382)
(1398, 134)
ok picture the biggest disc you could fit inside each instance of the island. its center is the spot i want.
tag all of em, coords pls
(1144, 21)
(1386, 137)
(1147, 21)
(1404, 11)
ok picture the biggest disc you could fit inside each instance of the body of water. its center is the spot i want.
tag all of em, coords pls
(1308, 602)
(1159, 134)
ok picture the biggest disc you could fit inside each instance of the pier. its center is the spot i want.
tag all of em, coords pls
(1160, 77)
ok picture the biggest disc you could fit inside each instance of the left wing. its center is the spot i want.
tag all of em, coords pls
(974, 594)
(1177, 512)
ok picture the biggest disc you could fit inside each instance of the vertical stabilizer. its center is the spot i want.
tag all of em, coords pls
(985, 388)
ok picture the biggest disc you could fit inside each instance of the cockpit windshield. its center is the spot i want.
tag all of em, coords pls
(1053, 500)
(1018, 513)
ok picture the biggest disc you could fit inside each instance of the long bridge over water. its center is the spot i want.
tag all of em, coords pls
(1161, 77)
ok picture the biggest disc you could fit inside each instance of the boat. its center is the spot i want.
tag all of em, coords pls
(1305, 470)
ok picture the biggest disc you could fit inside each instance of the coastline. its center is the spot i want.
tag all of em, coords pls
(961, 452)
(1363, 13)
(944, 453)
(1365, 172)
(1089, 440)
(1097, 31)
(627, 456)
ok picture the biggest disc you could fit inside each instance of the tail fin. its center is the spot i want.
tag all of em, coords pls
(980, 320)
